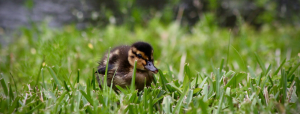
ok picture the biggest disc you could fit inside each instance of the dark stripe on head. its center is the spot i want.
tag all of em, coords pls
(144, 47)
(137, 55)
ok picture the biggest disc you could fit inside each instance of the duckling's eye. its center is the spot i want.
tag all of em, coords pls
(139, 55)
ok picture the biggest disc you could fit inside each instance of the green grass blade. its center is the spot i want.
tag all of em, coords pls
(237, 78)
(203, 106)
(221, 66)
(163, 80)
(170, 73)
(59, 100)
(15, 84)
(167, 104)
(217, 84)
(78, 76)
(189, 97)
(229, 99)
(261, 64)
(297, 84)
(66, 86)
(227, 58)
(145, 98)
(54, 77)
(121, 89)
(218, 79)
(229, 73)
(3, 84)
(88, 87)
(88, 98)
(158, 99)
(89, 109)
(252, 73)
(220, 104)
(203, 82)
(282, 63)
(259, 79)
(94, 79)
(132, 86)
(175, 87)
(284, 85)
(10, 92)
(14, 105)
(179, 102)
(269, 78)
(35, 108)
(38, 76)
(106, 71)
(268, 70)
(293, 70)
(42, 73)
(187, 71)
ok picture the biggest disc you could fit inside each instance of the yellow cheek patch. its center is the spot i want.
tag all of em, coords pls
(130, 53)
(130, 60)
(141, 64)
(144, 62)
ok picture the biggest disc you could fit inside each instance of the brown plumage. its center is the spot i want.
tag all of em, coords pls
(121, 64)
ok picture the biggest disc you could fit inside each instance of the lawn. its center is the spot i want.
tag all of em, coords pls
(206, 69)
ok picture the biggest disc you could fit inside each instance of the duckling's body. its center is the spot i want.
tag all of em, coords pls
(121, 64)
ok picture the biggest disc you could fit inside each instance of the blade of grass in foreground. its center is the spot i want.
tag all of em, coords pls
(162, 79)
(14, 105)
(33, 109)
(175, 87)
(221, 66)
(106, 71)
(88, 98)
(94, 79)
(60, 100)
(54, 77)
(293, 70)
(17, 92)
(179, 102)
(66, 86)
(43, 78)
(282, 63)
(167, 104)
(229, 99)
(132, 86)
(203, 106)
(38, 76)
(261, 64)
(187, 72)
(220, 104)
(4, 85)
(78, 76)
(218, 79)
(284, 85)
(252, 74)
(237, 78)
(10, 92)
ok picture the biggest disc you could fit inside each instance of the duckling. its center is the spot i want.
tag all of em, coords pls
(121, 64)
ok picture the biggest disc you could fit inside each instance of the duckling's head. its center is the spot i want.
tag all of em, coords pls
(142, 52)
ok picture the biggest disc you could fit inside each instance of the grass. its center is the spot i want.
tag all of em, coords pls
(211, 70)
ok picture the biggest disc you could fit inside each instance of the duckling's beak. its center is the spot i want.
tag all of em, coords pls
(151, 67)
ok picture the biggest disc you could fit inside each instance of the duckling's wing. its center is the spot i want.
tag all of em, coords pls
(102, 69)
